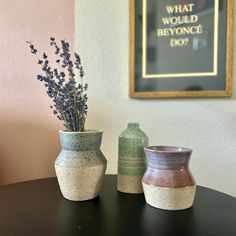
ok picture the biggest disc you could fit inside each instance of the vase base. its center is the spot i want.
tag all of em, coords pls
(169, 198)
(81, 199)
(129, 184)
(80, 184)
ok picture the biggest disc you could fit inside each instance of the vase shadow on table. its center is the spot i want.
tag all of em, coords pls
(78, 217)
(27, 151)
(114, 215)
(166, 222)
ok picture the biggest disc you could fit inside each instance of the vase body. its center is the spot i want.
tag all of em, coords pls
(168, 183)
(131, 160)
(80, 166)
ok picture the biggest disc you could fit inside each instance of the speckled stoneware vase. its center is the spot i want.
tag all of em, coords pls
(168, 183)
(80, 166)
(131, 161)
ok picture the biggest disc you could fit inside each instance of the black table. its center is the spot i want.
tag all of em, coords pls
(37, 208)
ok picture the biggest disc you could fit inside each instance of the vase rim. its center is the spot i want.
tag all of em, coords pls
(87, 131)
(168, 149)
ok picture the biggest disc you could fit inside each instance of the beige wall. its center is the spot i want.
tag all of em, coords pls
(206, 125)
(28, 130)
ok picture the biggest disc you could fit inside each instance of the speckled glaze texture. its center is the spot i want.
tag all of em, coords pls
(169, 198)
(80, 166)
(131, 161)
(168, 183)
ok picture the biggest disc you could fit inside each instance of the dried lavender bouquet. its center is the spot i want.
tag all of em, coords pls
(68, 95)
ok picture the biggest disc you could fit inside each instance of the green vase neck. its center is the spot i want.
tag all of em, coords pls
(81, 141)
(133, 125)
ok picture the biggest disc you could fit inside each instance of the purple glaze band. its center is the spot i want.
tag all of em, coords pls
(168, 167)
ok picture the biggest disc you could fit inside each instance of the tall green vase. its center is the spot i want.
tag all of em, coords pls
(131, 161)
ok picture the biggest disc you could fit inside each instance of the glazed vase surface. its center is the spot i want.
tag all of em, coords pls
(131, 159)
(80, 166)
(168, 183)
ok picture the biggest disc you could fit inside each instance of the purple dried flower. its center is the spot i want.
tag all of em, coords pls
(62, 74)
(45, 56)
(70, 101)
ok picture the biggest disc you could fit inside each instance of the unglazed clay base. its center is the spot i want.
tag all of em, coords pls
(129, 184)
(84, 182)
(169, 198)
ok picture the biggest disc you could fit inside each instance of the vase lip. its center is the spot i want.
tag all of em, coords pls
(87, 131)
(133, 125)
(168, 149)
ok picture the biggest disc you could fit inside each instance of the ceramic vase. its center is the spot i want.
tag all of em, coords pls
(168, 183)
(80, 166)
(131, 161)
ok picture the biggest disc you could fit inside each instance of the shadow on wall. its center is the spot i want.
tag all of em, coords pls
(27, 151)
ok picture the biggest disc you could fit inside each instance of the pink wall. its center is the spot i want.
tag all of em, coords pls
(29, 140)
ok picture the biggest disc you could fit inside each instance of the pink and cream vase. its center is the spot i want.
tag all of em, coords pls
(168, 183)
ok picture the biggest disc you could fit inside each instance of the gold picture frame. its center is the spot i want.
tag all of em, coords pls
(138, 75)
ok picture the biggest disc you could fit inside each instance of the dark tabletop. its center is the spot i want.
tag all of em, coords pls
(38, 208)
